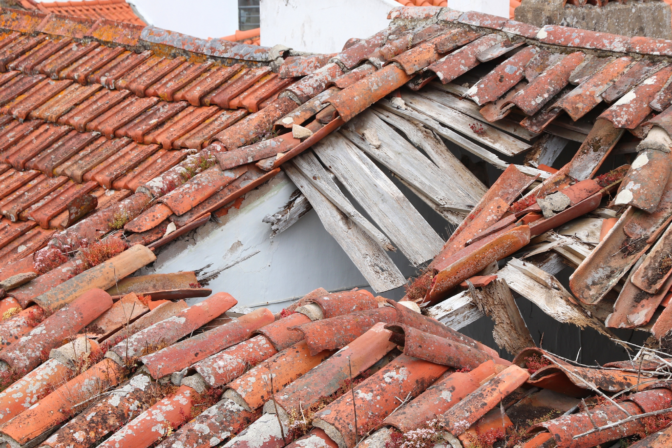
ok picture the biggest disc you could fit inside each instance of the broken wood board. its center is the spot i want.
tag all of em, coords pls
(436, 150)
(545, 291)
(587, 230)
(449, 215)
(471, 109)
(371, 260)
(550, 262)
(496, 301)
(483, 133)
(456, 312)
(381, 199)
(565, 133)
(320, 178)
(573, 250)
(457, 139)
(297, 206)
(382, 143)
(546, 150)
(451, 87)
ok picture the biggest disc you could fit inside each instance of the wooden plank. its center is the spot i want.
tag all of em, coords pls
(456, 312)
(452, 217)
(496, 301)
(381, 199)
(297, 206)
(584, 229)
(545, 291)
(483, 133)
(436, 150)
(371, 260)
(382, 143)
(551, 150)
(313, 170)
(565, 133)
(451, 87)
(468, 107)
(456, 138)
(545, 150)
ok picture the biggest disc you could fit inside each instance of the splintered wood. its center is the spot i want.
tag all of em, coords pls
(371, 260)
(496, 301)
(382, 200)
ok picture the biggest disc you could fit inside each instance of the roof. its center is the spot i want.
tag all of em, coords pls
(117, 139)
(118, 10)
(250, 37)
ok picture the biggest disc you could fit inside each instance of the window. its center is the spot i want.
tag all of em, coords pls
(248, 14)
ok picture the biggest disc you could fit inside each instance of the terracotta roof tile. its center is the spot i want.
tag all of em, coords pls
(117, 10)
(138, 101)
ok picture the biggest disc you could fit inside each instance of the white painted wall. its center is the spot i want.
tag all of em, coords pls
(258, 269)
(321, 26)
(494, 7)
(198, 18)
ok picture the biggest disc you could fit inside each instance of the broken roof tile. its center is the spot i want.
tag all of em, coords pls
(186, 353)
(520, 29)
(482, 19)
(586, 96)
(631, 110)
(504, 77)
(545, 86)
(464, 59)
(303, 65)
(637, 73)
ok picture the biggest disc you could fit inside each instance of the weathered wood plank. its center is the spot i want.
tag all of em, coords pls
(452, 217)
(313, 170)
(434, 147)
(297, 206)
(565, 133)
(545, 291)
(382, 143)
(483, 133)
(371, 260)
(545, 150)
(496, 301)
(468, 107)
(456, 312)
(456, 138)
(381, 199)
(451, 87)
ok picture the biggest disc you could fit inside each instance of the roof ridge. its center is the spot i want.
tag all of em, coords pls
(553, 35)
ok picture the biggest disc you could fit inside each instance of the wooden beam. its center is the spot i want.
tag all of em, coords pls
(457, 139)
(382, 143)
(468, 107)
(483, 133)
(380, 198)
(456, 312)
(433, 146)
(320, 178)
(496, 301)
(371, 260)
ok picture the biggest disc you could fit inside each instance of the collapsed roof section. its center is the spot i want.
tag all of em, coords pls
(116, 139)
(109, 126)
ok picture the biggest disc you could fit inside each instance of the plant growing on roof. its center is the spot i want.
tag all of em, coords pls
(426, 436)
(119, 219)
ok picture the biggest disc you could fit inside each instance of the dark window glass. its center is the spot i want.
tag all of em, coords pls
(248, 14)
